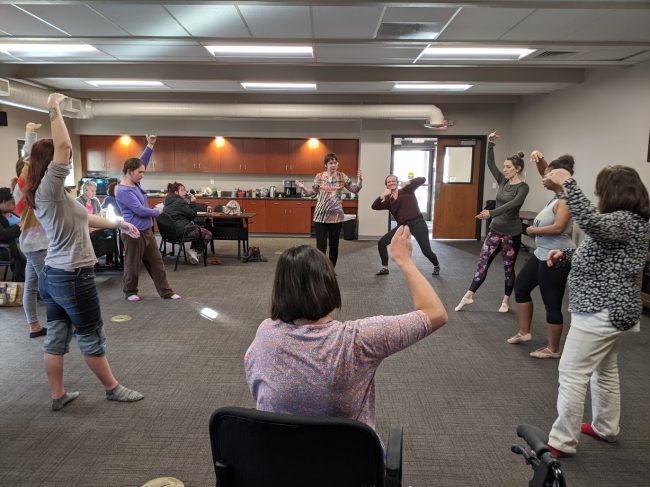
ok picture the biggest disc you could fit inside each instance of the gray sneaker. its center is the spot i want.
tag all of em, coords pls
(192, 256)
(436, 270)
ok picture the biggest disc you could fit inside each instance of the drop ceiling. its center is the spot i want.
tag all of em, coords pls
(361, 49)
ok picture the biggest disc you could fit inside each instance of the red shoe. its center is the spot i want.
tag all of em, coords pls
(555, 453)
(587, 429)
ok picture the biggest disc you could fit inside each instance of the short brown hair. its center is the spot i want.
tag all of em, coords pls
(132, 164)
(619, 188)
(305, 285)
(331, 156)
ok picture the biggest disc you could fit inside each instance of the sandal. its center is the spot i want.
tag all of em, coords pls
(545, 353)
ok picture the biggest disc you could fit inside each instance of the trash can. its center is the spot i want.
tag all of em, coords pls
(350, 229)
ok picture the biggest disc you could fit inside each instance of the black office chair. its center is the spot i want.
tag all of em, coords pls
(105, 243)
(168, 234)
(253, 448)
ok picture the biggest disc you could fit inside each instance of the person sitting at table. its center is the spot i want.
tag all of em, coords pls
(103, 240)
(88, 198)
(182, 207)
(109, 201)
(10, 232)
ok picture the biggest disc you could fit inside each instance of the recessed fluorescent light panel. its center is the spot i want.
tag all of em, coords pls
(60, 49)
(475, 53)
(124, 83)
(261, 51)
(430, 87)
(279, 86)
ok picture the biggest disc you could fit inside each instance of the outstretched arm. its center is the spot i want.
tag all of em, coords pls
(60, 135)
(538, 158)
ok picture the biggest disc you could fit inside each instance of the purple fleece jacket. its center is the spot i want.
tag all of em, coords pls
(132, 201)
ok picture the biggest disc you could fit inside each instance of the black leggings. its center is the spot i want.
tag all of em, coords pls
(420, 231)
(551, 281)
(328, 232)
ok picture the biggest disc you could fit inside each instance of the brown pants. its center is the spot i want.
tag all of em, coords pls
(144, 249)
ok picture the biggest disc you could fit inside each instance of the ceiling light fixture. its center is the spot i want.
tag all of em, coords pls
(124, 83)
(430, 87)
(46, 50)
(20, 105)
(475, 53)
(260, 51)
(279, 86)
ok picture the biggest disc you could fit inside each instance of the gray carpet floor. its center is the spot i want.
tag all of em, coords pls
(459, 394)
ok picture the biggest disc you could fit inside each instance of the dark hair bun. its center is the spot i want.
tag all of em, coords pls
(520, 154)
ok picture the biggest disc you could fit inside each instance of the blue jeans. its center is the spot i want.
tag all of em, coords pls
(33, 274)
(72, 305)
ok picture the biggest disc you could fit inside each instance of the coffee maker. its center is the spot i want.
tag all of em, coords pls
(290, 190)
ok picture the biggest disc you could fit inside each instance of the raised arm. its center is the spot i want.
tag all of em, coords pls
(354, 188)
(145, 157)
(381, 203)
(498, 175)
(411, 185)
(538, 158)
(60, 136)
(425, 299)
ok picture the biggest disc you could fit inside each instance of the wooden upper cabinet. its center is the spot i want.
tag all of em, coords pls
(162, 159)
(254, 156)
(277, 156)
(299, 157)
(208, 154)
(318, 153)
(232, 155)
(119, 149)
(93, 152)
(347, 151)
(185, 155)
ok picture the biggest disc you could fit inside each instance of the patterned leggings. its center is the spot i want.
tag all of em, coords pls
(509, 245)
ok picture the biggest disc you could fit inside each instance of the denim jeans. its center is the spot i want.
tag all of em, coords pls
(33, 274)
(72, 304)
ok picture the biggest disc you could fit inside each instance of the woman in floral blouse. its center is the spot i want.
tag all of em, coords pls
(328, 214)
(604, 300)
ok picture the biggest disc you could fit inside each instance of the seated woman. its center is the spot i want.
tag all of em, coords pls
(109, 201)
(88, 198)
(181, 206)
(303, 361)
(103, 240)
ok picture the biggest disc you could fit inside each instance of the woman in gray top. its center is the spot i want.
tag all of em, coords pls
(552, 230)
(68, 285)
(505, 229)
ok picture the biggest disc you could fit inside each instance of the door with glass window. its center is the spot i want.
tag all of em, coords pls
(457, 189)
(415, 163)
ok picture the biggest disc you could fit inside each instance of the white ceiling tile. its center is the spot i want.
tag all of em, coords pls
(418, 14)
(18, 23)
(76, 20)
(210, 20)
(482, 24)
(556, 24)
(346, 22)
(142, 20)
(373, 54)
(619, 25)
(277, 22)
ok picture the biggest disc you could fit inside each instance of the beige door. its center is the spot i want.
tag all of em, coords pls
(457, 188)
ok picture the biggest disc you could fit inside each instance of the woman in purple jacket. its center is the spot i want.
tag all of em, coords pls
(132, 201)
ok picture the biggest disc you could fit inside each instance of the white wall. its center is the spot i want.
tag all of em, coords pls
(603, 121)
(17, 119)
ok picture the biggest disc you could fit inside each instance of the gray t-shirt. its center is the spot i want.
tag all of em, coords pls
(65, 221)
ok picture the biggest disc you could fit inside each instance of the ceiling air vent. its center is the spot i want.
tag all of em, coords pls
(556, 55)
(409, 30)
(72, 105)
(4, 87)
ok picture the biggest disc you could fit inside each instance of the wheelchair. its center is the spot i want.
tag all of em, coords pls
(547, 471)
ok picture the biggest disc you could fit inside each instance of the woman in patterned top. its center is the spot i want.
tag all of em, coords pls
(303, 361)
(604, 300)
(328, 214)
(505, 230)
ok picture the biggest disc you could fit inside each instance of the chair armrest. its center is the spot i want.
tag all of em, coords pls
(394, 457)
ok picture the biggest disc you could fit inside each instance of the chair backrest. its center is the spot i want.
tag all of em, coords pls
(252, 448)
(166, 227)
(5, 255)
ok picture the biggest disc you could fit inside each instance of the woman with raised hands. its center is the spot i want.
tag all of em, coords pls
(68, 285)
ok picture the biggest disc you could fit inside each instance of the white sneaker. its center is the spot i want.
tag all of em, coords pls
(192, 256)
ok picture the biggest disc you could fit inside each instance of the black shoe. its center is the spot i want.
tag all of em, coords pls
(382, 272)
(436, 270)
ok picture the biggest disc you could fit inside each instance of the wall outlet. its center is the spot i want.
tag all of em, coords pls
(211, 181)
(495, 185)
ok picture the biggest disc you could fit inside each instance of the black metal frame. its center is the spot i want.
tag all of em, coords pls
(174, 239)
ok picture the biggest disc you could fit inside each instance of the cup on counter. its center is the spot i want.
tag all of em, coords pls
(218, 194)
(209, 209)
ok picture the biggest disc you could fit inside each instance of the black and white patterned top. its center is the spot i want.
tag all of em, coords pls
(605, 267)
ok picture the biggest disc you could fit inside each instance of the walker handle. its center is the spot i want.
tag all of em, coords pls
(535, 438)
